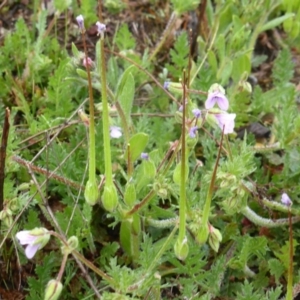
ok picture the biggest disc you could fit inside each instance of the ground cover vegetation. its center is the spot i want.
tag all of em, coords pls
(150, 149)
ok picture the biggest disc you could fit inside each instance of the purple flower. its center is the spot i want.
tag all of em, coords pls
(34, 239)
(181, 106)
(193, 131)
(100, 29)
(166, 85)
(197, 113)
(217, 97)
(285, 199)
(144, 156)
(227, 121)
(115, 132)
(80, 22)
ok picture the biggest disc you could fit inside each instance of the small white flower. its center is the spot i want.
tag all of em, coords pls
(34, 239)
(115, 132)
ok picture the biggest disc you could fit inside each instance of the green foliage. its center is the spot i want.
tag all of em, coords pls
(44, 273)
(88, 9)
(124, 40)
(283, 71)
(134, 243)
(114, 6)
(179, 56)
(182, 6)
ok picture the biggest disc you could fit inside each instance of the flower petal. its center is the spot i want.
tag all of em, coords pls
(197, 113)
(222, 101)
(210, 102)
(227, 121)
(219, 98)
(31, 250)
(193, 131)
(286, 200)
(115, 132)
(25, 237)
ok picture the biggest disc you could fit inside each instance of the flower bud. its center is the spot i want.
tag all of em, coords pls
(24, 186)
(80, 22)
(84, 118)
(91, 193)
(130, 194)
(53, 290)
(72, 245)
(216, 88)
(174, 87)
(6, 217)
(181, 248)
(215, 238)
(202, 235)
(245, 86)
(110, 198)
(13, 204)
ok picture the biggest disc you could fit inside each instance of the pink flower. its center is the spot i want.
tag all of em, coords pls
(35, 239)
(217, 97)
(115, 132)
(227, 121)
(87, 62)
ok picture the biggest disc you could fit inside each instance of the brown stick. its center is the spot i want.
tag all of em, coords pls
(3, 155)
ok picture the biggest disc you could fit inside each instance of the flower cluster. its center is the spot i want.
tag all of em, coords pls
(216, 95)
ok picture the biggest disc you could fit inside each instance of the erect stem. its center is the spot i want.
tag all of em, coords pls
(105, 116)
(207, 204)
(92, 146)
(182, 200)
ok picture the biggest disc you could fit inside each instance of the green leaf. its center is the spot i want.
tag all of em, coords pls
(221, 47)
(275, 22)
(211, 57)
(225, 70)
(276, 268)
(137, 143)
(241, 65)
(125, 94)
(124, 38)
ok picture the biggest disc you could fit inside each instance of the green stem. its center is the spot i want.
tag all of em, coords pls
(92, 146)
(182, 199)
(105, 117)
(206, 209)
(86, 262)
(289, 295)
(206, 54)
(140, 205)
(260, 221)
(162, 249)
